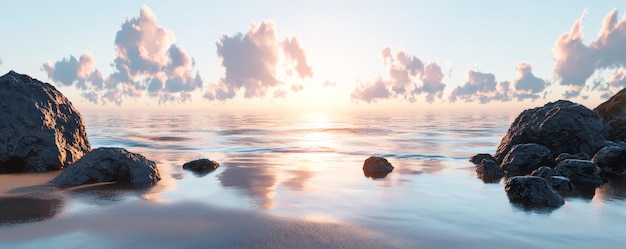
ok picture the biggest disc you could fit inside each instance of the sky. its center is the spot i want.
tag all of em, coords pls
(318, 55)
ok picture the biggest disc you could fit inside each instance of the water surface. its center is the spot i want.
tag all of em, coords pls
(298, 177)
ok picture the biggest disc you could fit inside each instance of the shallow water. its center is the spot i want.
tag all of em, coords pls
(298, 177)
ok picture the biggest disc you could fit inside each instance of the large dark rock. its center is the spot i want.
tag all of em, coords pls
(581, 172)
(40, 130)
(489, 171)
(376, 167)
(613, 111)
(524, 158)
(532, 191)
(201, 166)
(611, 158)
(109, 165)
(562, 126)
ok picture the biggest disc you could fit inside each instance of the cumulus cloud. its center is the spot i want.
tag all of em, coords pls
(147, 61)
(252, 62)
(577, 62)
(407, 77)
(483, 87)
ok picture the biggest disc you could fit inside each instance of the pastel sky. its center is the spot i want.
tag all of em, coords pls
(318, 55)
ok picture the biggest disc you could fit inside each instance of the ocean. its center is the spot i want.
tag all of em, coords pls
(296, 181)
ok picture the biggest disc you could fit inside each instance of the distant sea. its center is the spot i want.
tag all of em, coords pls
(296, 181)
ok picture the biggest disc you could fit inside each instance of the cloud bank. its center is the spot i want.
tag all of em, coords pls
(577, 62)
(147, 62)
(253, 60)
(407, 78)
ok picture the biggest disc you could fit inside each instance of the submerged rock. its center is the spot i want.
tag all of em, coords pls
(561, 126)
(376, 167)
(40, 130)
(489, 171)
(581, 172)
(613, 111)
(201, 166)
(532, 191)
(522, 159)
(109, 165)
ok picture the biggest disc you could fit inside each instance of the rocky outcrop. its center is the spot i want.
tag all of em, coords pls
(613, 111)
(532, 191)
(201, 166)
(561, 126)
(524, 158)
(109, 165)
(40, 130)
(611, 158)
(376, 167)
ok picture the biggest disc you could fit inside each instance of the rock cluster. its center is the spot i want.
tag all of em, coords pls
(40, 130)
(546, 151)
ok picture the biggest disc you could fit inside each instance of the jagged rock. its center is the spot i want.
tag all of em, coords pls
(562, 126)
(376, 167)
(109, 165)
(201, 166)
(565, 156)
(581, 172)
(40, 130)
(479, 158)
(611, 158)
(489, 171)
(524, 158)
(532, 191)
(613, 111)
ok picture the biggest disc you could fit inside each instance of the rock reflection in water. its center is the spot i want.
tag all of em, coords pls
(21, 209)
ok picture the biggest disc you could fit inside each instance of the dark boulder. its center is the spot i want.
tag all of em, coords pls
(613, 111)
(201, 166)
(557, 181)
(532, 191)
(522, 159)
(565, 156)
(611, 158)
(545, 172)
(480, 157)
(580, 172)
(489, 171)
(40, 130)
(109, 165)
(562, 126)
(376, 167)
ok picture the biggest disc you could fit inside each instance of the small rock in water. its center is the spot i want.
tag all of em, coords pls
(109, 165)
(581, 172)
(480, 157)
(201, 166)
(488, 171)
(376, 167)
(532, 191)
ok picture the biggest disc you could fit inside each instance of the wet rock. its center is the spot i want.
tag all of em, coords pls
(376, 167)
(581, 172)
(565, 156)
(561, 183)
(109, 165)
(522, 159)
(201, 166)
(40, 130)
(611, 158)
(489, 171)
(561, 126)
(532, 191)
(613, 111)
(479, 158)
(545, 172)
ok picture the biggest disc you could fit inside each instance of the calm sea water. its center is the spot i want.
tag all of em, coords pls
(303, 169)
